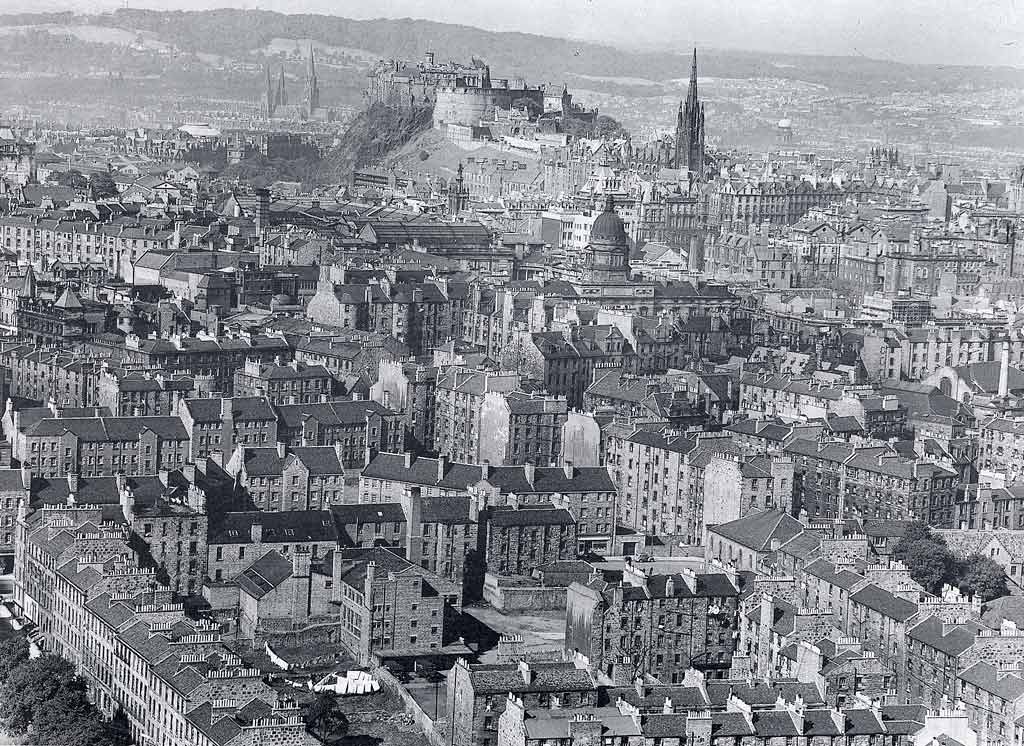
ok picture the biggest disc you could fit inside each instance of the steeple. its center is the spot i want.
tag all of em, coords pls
(458, 195)
(268, 94)
(692, 95)
(312, 86)
(689, 144)
(282, 96)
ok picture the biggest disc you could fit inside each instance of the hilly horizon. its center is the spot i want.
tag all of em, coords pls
(238, 33)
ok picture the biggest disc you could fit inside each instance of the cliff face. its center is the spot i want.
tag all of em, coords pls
(370, 137)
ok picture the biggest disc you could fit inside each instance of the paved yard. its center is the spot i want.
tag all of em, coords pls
(542, 631)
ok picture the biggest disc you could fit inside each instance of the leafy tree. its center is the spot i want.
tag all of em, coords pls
(930, 563)
(34, 686)
(74, 179)
(981, 576)
(65, 719)
(531, 107)
(103, 185)
(324, 717)
(117, 731)
(915, 531)
(608, 127)
(13, 652)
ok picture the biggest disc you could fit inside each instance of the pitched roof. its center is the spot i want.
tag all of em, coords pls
(422, 471)
(265, 574)
(884, 602)
(542, 677)
(276, 527)
(104, 429)
(757, 530)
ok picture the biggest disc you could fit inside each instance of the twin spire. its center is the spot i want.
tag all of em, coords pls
(277, 95)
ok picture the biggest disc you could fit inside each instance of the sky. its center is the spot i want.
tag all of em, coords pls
(957, 32)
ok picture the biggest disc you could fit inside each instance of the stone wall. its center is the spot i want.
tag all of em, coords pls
(522, 598)
(434, 735)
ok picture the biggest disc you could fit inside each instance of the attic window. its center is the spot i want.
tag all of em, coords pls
(289, 532)
(232, 532)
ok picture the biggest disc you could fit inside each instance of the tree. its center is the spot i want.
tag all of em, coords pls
(915, 531)
(608, 127)
(531, 107)
(102, 184)
(13, 652)
(32, 687)
(930, 563)
(68, 717)
(72, 179)
(323, 716)
(983, 577)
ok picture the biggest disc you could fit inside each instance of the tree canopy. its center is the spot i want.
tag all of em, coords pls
(44, 697)
(13, 652)
(324, 717)
(102, 185)
(983, 577)
(932, 565)
(73, 179)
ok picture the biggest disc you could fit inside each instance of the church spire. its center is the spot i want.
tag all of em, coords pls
(312, 85)
(268, 93)
(689, 145)
(692, 95)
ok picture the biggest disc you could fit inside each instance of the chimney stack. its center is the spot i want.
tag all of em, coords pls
(1004, 370)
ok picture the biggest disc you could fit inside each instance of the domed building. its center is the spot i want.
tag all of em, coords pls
(607, 258)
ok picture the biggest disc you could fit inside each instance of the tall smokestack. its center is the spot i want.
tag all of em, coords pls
(262, 213)
(1004, 370)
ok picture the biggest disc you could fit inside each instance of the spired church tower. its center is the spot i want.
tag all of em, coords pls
(312, 86)
(458, 195)
(690, 129)
(607, 254)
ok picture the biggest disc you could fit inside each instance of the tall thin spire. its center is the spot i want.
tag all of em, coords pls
(312, 85)
(693, 76)
(269, 93)
(689, 145)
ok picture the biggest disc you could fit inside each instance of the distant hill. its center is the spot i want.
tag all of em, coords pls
(238, 33)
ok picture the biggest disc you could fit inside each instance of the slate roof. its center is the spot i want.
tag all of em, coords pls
(988, 678)
(447, 510)
(330, 413)
(839, 577)
(880, 600)
(243, 409)
(104, 429)
(545, 677)
(757, 530)
(949, 639)
(265, 574)
(551, 479)
(421, 471)
(277, 527)
(532, 517)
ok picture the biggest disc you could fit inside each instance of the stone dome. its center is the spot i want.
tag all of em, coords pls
(608, 228)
